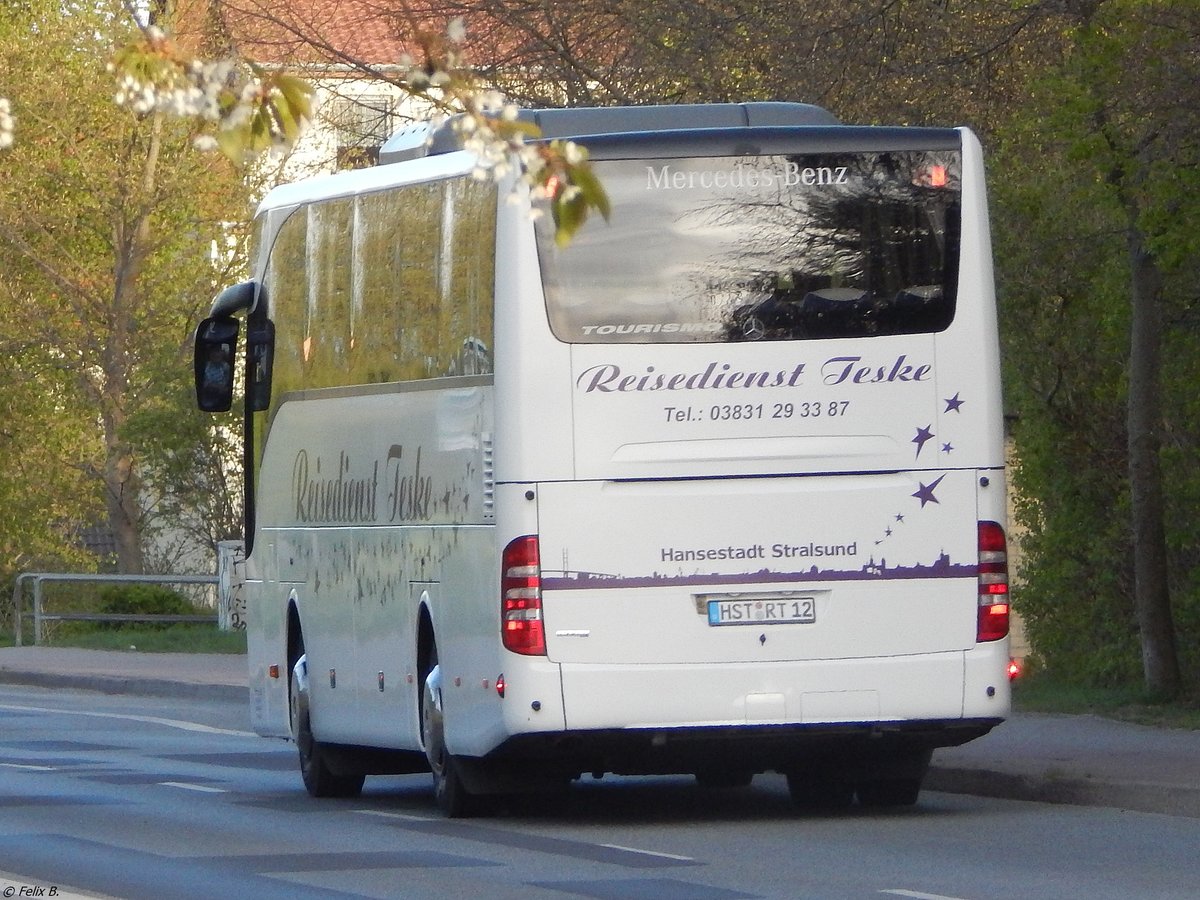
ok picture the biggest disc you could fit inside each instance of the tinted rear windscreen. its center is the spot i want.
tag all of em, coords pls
(761, 248)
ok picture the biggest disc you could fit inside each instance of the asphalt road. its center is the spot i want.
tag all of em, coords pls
(137, 797)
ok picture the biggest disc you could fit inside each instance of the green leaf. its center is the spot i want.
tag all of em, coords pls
(233, 143)
(297, 96)
(592, 190)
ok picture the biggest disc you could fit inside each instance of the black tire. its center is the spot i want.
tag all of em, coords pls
(820, 791)
(891, 792)
(720, 779)
(896, 780)
(449, 790)
(320, 778)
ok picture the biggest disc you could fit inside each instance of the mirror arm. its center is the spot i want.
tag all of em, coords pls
(234, 299)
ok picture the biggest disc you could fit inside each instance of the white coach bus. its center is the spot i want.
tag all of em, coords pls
(717, 489)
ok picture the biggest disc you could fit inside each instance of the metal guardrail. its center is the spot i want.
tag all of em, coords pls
(39, 616)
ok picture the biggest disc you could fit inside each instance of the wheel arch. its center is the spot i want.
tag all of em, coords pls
(426, 641)
(295, 633)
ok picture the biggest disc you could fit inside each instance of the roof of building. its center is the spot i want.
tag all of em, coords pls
(299, 32)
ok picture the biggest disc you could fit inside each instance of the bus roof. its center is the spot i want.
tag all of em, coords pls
(425, 139)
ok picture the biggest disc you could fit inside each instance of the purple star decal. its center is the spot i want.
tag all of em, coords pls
(899, 517)
(923, 435)
(954, 404)
(925, 492)
(947, 448)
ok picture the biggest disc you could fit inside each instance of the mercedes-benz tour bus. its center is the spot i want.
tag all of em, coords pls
(716, 488)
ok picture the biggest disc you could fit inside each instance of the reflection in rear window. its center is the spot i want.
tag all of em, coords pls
(763, 248)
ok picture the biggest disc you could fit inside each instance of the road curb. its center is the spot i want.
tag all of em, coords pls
(144, 687)
(1054, 787)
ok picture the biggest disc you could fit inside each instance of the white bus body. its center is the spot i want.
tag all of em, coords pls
(718, 488)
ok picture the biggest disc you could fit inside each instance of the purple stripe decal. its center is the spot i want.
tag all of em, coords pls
(592, 581)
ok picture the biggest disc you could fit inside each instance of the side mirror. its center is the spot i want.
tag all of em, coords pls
(260, 345)
(215, 351)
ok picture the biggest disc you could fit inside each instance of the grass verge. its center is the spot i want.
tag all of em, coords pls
(179, 638)
(1130, 703)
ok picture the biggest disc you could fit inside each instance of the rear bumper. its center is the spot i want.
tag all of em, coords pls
(782, 748)
(944, 687)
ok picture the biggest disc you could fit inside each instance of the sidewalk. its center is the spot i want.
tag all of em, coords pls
(1082, 760)
(194, 675)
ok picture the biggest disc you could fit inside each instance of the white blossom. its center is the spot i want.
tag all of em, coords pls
(7, 124)
(573, 153)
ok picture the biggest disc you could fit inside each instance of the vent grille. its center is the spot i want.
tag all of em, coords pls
(489, 479)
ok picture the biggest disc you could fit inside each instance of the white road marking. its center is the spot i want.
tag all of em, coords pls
(917, 895)
(28, 768)
(409, 818)
(199, 788)
(390, 815)
(648, 852)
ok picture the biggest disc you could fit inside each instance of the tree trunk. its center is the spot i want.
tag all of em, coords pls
(1152, 600)
(131, 241)
(123, 499)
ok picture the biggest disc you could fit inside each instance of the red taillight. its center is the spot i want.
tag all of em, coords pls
(1014, 670)
(993, 583)
(521, 598)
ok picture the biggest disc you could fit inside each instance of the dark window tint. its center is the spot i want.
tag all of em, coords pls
(762, 248)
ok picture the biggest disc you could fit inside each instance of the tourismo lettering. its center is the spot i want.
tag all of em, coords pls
(610, 378)
(654, 328)
(668, 178)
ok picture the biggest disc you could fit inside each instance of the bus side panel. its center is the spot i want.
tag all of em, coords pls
(360, 608)
(478, 718)
(266, 646)
(365, 499)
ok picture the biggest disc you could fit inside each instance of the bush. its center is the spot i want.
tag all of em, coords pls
(143, 600)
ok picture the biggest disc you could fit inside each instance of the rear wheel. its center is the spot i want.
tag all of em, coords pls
(820, 790)
(897, 781)
(449, 790)
(724, 778)
(320, 777)
(889, 792)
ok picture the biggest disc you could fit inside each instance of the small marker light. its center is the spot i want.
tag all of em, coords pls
(1014, 669)
(500, 685)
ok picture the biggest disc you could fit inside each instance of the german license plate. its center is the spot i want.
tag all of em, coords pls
(763, 611)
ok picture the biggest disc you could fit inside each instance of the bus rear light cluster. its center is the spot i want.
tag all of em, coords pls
(993, 583)
(521, 625)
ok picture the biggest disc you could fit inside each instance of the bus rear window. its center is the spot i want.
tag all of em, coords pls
(762, 248)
